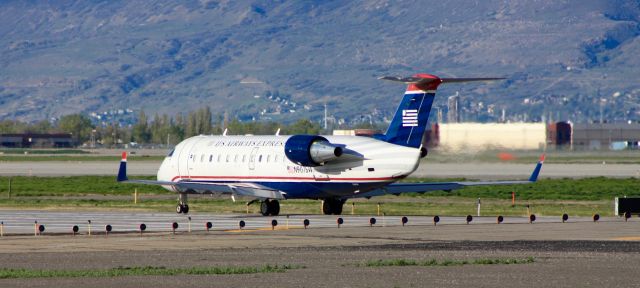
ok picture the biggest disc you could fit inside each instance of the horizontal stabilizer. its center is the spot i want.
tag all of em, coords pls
(460, 80)
(421, 80)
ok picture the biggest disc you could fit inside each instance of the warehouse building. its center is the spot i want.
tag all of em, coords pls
(472, 137)
(30, 140)
(605, 136)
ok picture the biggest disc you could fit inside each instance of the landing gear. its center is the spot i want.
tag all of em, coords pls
(182, 208)
(270, 207)
(182, 204)
(332, 206)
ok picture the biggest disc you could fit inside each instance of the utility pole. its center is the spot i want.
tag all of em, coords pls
(225, 124)
(325, 116)
(93, 138)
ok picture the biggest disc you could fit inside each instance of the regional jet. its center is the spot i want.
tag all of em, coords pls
(329, 168)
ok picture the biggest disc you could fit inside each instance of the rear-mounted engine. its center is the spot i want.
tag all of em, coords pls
(310, 150)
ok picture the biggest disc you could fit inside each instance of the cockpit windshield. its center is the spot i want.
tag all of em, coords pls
(171, 153)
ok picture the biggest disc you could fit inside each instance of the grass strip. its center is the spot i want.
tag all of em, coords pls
(6, 273)
(76, 158)
(576, 197)
(26, 186)
(587, 189)
(42, 151)
(590, 189)
(445, 262)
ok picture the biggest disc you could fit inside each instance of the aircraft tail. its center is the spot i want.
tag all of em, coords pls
(411, 118)
(122, 172)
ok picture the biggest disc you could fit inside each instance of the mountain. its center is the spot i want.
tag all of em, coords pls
(283, 60)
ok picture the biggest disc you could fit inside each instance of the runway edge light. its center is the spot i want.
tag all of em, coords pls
(208, 225)
(305, 223)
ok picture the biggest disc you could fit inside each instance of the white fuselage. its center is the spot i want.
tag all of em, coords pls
(367, 164)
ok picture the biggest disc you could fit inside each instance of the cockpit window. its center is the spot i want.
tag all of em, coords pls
(171, 153)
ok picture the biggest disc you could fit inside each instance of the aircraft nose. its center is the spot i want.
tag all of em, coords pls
(164, 172)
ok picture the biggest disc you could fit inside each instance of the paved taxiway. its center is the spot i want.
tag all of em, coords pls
(480, 228)
(439, 170)
(579, 253)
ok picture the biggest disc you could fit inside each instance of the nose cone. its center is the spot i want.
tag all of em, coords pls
(165, 172)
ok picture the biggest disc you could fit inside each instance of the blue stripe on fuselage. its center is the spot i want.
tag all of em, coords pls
(313, 190)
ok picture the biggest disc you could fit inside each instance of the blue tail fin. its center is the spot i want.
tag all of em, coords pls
(411, 119)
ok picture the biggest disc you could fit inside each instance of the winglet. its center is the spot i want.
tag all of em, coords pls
(536, 172)
(122, 173)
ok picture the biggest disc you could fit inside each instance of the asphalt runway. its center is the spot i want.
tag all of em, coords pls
(579, 253)
(487, 171)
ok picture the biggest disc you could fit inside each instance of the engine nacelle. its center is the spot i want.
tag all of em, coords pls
(310, 150)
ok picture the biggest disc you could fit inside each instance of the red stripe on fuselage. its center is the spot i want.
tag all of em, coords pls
(284, 178)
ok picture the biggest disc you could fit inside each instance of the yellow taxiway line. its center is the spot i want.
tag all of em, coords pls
(627, 238)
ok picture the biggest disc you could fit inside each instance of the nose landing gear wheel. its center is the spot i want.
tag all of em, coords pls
(182, 208)
(182, 204)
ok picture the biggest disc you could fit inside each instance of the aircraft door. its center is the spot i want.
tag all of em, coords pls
(186, 158)
(252, 158)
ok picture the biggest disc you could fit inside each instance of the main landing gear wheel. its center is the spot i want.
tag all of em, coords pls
(270, 207)
(332, 206)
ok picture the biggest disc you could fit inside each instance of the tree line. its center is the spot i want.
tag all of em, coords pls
(159, 129)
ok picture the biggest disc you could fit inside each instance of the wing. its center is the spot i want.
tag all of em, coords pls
(199, 187)
(398, 188)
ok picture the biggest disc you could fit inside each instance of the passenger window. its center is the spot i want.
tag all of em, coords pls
(201, 158)
(235, 158)
(228, 157)
(275, 159)
(210, 158)
(268, 158)
(260, 158)
(219, 156)
(243, 158)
